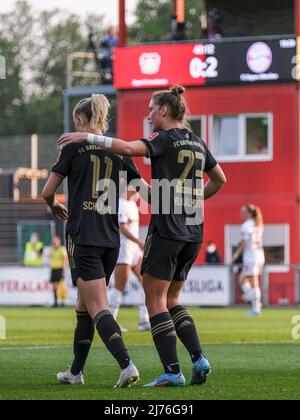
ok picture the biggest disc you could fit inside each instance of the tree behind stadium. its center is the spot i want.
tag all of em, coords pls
(35, 46)
(153, 20)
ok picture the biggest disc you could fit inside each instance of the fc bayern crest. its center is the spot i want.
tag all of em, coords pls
(259, 57)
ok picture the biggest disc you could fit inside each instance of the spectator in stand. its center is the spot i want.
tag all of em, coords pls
(260, 147)
(91, 47)
(177, 30)
(212, 25)
(108, 44)
(212, 254)
(33, 256)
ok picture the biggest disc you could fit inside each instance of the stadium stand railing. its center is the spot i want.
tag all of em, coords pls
(15, 152)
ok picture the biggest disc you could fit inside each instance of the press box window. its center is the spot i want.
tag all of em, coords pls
(226, 136)
(245, 137)
(257, 135)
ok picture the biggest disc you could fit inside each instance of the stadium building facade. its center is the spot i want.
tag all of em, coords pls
(243, 95)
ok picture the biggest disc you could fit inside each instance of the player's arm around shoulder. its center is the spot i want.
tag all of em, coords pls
(114, 145)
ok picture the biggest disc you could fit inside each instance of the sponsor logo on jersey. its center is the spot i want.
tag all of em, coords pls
(152, 136)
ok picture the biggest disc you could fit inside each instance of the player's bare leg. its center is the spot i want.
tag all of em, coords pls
(245, 285)
(144, 323)
(122, 272)
(255, 295)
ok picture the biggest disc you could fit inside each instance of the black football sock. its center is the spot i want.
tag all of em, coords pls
(164, 336)
(186, 331)
(55, 298)
(84, 335)
(111, 335)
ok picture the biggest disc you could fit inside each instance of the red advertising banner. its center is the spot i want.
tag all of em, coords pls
(158, 66)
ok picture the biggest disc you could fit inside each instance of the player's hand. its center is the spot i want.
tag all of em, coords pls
(141, 245)
(59, 211)
(72, 138)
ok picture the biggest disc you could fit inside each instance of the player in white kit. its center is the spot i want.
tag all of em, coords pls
(251, 249)
(130, 257)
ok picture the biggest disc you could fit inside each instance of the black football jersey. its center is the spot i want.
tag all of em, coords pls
(179, 159)
(93, 217)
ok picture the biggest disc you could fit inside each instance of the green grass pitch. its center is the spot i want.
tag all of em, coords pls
(252, 358)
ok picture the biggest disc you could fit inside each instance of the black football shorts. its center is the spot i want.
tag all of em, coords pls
(91, 262)
(170, 260)
(56, 275)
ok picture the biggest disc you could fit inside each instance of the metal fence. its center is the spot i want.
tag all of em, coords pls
(17, 152)
(22, 159)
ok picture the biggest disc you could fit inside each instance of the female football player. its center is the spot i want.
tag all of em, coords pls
(93, 238)
(251, 249)
(179, 160)
(130, 256)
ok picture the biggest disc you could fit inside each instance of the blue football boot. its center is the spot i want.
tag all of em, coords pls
(168, 379)
(201, 370)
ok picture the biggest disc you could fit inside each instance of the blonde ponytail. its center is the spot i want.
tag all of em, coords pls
(100, 111)
(256, 214)
(96, 110)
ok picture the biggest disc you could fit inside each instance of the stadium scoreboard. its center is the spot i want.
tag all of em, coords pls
(235, 62)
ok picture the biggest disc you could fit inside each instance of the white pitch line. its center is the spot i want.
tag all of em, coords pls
(30, 348)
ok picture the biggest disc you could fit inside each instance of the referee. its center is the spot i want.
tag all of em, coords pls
(58, 263)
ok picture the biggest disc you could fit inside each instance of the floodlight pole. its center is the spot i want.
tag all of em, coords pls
(297, 17)
(122, 23)
(297, 73)
(178, 20)
(179, 10)
(34, 165)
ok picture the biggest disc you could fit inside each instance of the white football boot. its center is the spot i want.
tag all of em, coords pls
(68, 378)
(128, 377)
